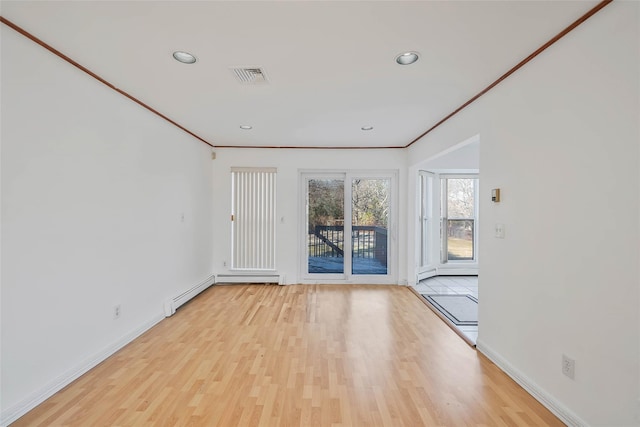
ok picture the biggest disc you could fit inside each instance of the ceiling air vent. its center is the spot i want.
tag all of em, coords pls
(250, 76)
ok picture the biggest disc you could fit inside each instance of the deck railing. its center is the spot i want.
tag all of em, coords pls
(366, 242)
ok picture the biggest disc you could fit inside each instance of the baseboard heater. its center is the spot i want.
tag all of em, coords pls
(172, 304)
(250, 278)
(426, 274)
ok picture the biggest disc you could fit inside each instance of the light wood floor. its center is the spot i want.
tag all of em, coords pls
(322, 355)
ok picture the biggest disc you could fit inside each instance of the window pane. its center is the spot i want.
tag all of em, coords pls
(460, 239)
(460, 198)
(460, 219)
(325, 219)
(370, 218)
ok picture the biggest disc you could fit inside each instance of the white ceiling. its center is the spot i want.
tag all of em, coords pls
(330, 65)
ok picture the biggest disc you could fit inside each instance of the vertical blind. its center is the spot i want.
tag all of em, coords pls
(253, 218)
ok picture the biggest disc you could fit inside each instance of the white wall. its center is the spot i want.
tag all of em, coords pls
(289, 163)
(463, 159)
(561, 138)
(93, 192)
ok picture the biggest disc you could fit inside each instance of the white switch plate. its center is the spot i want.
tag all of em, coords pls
(500, 231)
(568, 366)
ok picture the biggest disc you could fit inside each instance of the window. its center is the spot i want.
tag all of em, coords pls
(458, 227)
(425, 213)
(253, 218)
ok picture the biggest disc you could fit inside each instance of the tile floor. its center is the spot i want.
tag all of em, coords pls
(448, 285)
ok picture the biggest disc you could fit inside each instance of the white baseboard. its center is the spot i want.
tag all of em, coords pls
(14, 412)
(542, 396)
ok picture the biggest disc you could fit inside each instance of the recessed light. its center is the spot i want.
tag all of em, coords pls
(367, 128)
(246, 127)
(184, 57)
(407, 58)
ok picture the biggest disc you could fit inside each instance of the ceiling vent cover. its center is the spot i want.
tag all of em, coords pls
(252, 75)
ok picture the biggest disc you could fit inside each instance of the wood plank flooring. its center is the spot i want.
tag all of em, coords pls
(316, 355)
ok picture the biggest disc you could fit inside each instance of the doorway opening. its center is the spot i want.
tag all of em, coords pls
(447, 237)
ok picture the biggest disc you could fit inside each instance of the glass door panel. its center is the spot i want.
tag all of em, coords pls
(370, 204)
(325, 226)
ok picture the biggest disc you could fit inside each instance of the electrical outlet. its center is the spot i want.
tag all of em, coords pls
(224, 263)
(117, 310)
(568, 366)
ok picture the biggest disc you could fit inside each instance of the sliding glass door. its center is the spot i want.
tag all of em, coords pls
(338, 249)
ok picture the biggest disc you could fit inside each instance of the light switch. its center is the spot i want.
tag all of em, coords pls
(499, 231)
